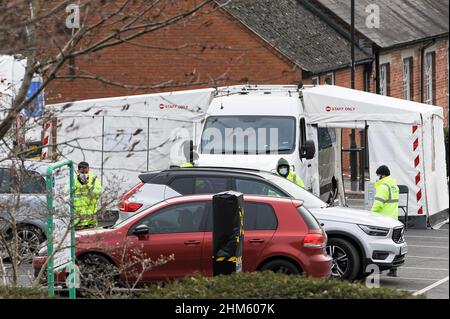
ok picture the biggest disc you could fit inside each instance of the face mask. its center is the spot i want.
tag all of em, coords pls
(283, 171)
(84, 176)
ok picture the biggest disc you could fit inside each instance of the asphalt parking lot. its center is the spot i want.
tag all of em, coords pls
(426, 268)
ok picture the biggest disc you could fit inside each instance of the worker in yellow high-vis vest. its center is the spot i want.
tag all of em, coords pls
(386, 194)
(87, 191)
(284, 170)
(386, 198)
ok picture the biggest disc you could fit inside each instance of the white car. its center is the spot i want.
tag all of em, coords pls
(356, 238)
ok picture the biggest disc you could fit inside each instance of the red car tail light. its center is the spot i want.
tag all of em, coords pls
(314, 241)
(125, 205)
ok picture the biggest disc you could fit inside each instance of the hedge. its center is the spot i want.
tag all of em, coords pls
(267, 285)
(7, 292)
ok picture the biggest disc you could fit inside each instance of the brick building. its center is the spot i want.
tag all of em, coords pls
(208, 49)
(408, 48)
(247, 41)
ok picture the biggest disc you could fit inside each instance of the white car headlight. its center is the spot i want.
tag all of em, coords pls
(374, 231)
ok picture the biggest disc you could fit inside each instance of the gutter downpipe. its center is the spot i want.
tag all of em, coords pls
(377, 71)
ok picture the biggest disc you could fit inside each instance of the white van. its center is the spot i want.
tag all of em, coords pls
(253, 127)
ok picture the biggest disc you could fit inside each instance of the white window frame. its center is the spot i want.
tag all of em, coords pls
(407, 78)
(383, 79)
(315, 80)
(331, 74)
(429, 89)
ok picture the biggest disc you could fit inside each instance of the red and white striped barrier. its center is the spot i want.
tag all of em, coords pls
(46, 139)
(417, 165)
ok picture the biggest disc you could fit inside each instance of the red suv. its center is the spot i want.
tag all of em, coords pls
(279, 235)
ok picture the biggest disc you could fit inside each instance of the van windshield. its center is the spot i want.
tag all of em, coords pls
(248, 135)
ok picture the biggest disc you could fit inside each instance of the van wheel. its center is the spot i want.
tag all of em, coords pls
(30, 237)
(282, 267)
(346, 260)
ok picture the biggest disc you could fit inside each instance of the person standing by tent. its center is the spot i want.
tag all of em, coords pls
(386, 199)
(87, 191)
(284, 170)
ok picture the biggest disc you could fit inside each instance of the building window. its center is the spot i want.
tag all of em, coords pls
(430, 77)
(408, 79)
(315, 80)
(385, 79)
(329, 78)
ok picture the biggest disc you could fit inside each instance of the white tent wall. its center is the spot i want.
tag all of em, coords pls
(129, 146)
(124, 149)
(80, 139)
(435, 168)
(124, 136)
(12, 71)
(393, 144)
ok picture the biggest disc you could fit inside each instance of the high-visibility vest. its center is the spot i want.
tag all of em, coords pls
(294, 178)
(186, 165)
(85, 201)
(386, 197)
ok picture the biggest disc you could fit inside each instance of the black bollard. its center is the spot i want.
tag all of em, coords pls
(228, 232)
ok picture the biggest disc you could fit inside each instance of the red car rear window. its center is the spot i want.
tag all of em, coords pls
(309, 219)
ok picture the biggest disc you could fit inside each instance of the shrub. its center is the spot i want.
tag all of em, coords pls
(7, 292)
(265, 285)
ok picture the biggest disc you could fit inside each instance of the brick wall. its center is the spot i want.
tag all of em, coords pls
(395, 58)
(208, 47)
(442, 97)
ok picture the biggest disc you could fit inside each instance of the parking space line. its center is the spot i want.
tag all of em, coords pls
(408, 278)
(428, 246)
(440, 282)
(438, 269)
(427, 257)
(413, 236)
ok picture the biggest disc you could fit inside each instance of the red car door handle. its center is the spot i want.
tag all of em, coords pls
(256, 241)
(192, 242)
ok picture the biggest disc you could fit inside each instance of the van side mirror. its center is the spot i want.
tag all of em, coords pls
(308, 150)
(141, 230)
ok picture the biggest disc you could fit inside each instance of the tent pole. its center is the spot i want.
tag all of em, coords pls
(353, 154)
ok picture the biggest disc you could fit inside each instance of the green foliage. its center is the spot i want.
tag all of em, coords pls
(21, 293)
(265, 285)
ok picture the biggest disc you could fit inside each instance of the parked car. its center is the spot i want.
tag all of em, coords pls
(23, 200)
(279, 235)
(356, 238)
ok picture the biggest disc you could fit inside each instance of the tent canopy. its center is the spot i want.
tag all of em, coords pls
(330, 104)
(182, 105)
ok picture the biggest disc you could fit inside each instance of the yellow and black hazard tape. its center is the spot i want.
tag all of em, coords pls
(229, 259)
